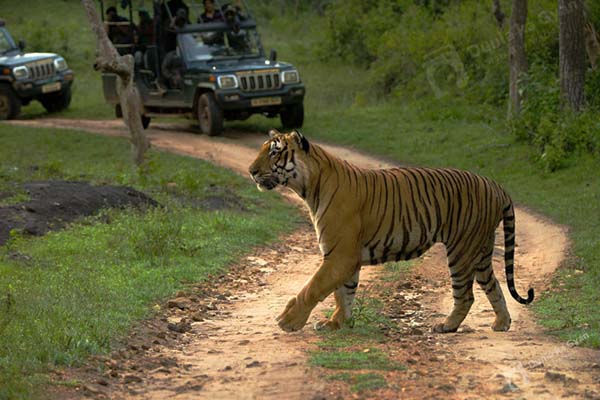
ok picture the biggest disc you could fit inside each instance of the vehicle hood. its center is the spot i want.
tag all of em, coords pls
(233, 65)
(24, 58)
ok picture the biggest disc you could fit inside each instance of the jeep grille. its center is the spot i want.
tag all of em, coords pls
(41, 69)
(257, 81)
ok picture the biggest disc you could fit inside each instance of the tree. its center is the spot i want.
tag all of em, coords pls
(109, 60)
(592, 45)
(516, 54)
(572, 50)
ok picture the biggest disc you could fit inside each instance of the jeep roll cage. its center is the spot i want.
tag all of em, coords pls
(159, 6)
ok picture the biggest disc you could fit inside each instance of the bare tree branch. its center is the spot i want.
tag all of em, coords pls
(109, 60)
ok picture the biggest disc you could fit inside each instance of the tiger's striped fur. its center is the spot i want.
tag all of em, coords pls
(365, 217)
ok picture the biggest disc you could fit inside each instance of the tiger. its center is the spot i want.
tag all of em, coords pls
(371, 216)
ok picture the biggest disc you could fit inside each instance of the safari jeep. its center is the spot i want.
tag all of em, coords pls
(31, 76)
(218, 71)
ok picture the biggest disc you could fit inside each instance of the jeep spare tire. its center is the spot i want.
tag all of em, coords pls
(210, 115)
(10, 104)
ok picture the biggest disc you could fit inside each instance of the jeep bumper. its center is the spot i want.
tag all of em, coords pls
(235, 99)
(35, 88)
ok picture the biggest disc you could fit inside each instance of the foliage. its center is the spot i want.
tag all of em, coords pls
(72, 293)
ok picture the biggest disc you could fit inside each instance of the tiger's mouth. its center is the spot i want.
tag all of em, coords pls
(265, 182)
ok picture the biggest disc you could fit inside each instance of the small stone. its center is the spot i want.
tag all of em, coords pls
(180, 327)
(94, 389)
(509, 388)
(253, 364)
(102, 382)
(555, 376)
(447, 388)
(131, 379)
(182, 303)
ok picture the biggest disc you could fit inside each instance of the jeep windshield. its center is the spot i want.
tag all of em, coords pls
(6, 42)
(204, 46)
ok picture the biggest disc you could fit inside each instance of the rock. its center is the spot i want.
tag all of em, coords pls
(182, 303)
(180, 327)
(94, 389)
(102, 381)
(555, 376)
(447, 388)
(127, 379)
(253, 364)
(509, 388)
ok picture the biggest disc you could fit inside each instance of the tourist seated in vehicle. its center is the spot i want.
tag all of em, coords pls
(120, 30)
(211, 12)
(145, 31)
(172, 67)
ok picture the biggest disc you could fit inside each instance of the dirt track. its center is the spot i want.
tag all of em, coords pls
(238, 352)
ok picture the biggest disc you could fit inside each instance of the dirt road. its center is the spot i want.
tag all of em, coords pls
(226, 345)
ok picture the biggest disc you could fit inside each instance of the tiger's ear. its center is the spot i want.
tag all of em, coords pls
(301, 140)
(273, 133)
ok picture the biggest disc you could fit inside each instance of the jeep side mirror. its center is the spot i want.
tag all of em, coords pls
(21, 44)
(273, 55)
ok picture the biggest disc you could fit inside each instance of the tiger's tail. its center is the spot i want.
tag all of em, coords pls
(508, 219)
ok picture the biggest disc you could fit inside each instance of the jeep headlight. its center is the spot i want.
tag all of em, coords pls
(291, 76)
(227, 81)
(20, 72)
(60, 64)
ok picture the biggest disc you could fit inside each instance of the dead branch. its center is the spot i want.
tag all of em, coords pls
(109, 60)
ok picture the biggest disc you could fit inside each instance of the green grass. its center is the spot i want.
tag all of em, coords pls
(360, 382)
(73, 292)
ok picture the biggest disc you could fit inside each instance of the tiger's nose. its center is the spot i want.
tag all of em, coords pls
(253, 171)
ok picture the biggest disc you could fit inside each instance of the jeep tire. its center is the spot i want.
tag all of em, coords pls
(58, 101)
(292, 116)
(210, 115)
(10, 104)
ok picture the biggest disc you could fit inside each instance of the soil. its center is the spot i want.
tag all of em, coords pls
(221, 340)
(53, 204)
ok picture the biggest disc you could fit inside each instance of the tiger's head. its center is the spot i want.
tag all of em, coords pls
(280, 161)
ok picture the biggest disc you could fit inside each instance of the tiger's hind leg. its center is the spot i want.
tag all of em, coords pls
(462, 273)
(344, 297)
(484, 274)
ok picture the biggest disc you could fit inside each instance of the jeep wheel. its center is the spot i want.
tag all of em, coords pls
(210, 115)
(54, 102)
(292, 116)
(10, 104)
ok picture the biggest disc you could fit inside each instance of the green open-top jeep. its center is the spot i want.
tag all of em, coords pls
(31, 76)
(209, 71)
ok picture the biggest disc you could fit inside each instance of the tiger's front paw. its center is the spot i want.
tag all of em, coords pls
(294, 317)
(443, 327)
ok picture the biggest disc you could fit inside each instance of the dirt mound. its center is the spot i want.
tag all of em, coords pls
(53, 204)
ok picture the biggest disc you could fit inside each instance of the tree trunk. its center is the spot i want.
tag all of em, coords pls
(572, 52)
(109, 60)
(498, 14)
(516, 54)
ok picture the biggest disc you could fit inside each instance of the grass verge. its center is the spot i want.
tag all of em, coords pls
(73, 292)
